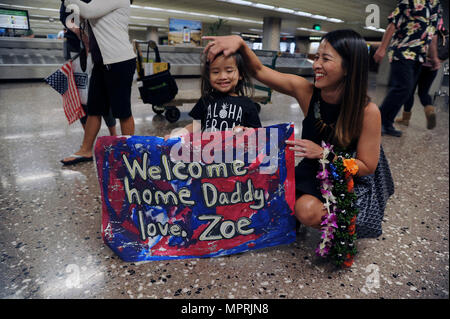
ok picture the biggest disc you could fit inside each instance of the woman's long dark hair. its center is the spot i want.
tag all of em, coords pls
(355, 61)
(244, 86)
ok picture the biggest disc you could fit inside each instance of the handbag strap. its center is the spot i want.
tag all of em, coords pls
(153, 45)
(139, 68)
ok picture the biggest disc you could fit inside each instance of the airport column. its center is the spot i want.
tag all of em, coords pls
(152, 34)
(271, 33)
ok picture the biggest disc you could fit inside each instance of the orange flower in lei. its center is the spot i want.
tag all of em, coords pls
(350, 166)
(349, 261)
(350, 185)
(351, 229)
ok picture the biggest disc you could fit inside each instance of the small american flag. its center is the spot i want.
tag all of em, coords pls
(63, 82)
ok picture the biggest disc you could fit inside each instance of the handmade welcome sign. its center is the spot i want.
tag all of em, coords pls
(197, 196)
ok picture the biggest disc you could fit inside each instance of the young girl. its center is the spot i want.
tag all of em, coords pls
(336, 107)
(224, 104)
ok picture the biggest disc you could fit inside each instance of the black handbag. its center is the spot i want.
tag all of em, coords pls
(158, 88)
(372, 193)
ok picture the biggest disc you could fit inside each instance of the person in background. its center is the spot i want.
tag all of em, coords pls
(72, 46)
(412, 28)
(112, 75)
(60, 35)
(424, 82)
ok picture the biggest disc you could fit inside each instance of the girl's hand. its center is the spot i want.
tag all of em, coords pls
(305, 148)
(176, 133)
(239, 129)
(223, 44)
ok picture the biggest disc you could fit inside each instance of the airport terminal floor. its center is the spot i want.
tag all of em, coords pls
(50, 219)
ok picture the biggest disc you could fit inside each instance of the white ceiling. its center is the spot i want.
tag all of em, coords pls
(239, 18)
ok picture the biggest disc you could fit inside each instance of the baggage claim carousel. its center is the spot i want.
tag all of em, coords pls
(33, 58)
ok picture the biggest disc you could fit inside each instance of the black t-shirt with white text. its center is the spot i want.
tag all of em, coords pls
(224, 112)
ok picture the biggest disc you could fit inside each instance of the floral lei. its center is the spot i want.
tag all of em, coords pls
(338, 224)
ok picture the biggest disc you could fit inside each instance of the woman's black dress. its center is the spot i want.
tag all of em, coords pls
(318, 126)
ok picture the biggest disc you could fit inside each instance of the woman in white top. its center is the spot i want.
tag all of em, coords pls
(114, 66)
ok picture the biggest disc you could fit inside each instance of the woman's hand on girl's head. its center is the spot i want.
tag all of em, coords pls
(305, 148)
(223, 44)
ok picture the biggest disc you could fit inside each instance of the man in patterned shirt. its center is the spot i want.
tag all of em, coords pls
(412, 28)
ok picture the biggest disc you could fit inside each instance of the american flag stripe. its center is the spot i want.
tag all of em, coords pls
(72, 102)
(67, 94)
(63, 81)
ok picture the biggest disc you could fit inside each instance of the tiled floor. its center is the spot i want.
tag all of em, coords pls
(50, 218)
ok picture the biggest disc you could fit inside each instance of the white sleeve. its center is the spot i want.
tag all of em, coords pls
(97, 8)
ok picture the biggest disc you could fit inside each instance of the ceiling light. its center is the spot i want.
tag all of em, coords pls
(250, 35)
(16, 6)
(303, 14)
(30, 8)
(375, 29)
(285, 10)
(263, 6)
(319, 17)
(153, 9)
(241, 2)
(196, 14)
(335, 20)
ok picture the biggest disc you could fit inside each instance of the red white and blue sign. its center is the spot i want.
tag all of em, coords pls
(197, 196)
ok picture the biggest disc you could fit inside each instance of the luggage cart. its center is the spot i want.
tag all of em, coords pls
(159, 87)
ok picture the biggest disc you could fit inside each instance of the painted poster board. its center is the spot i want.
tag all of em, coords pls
(197, 196)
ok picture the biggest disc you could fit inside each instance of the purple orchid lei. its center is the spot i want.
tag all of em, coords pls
(329, 220)
(338, 226)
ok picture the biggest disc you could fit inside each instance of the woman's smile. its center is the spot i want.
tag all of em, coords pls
(319, 76)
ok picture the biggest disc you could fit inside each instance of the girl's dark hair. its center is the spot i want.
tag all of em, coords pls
(244, 86)
(355, 61)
